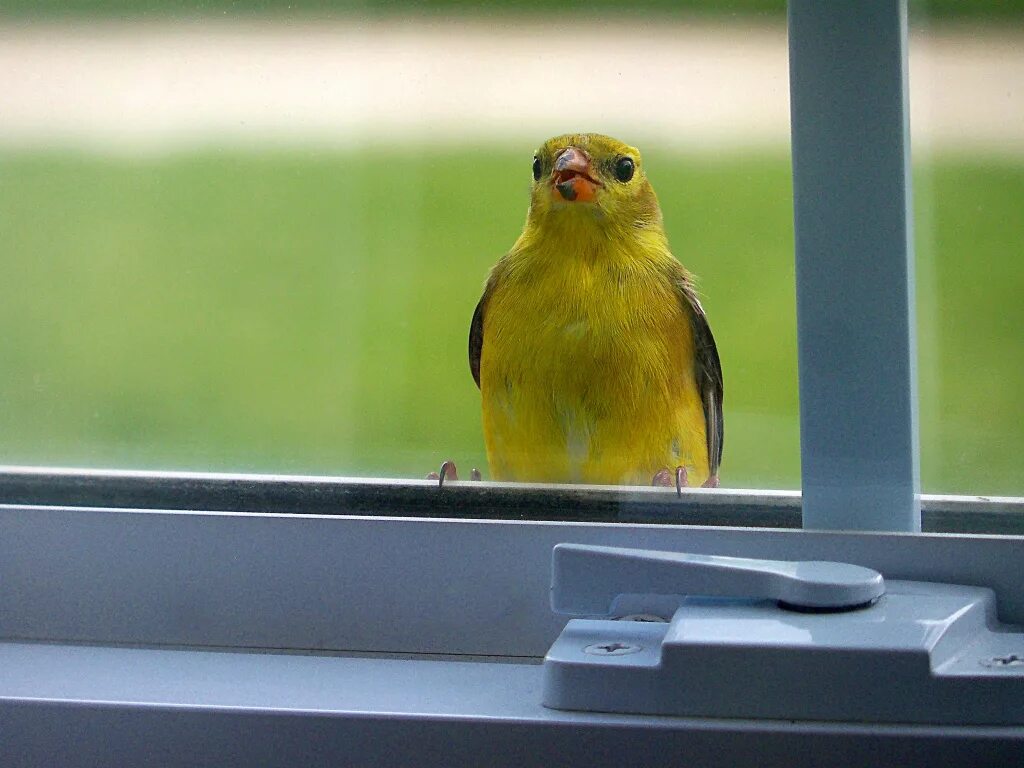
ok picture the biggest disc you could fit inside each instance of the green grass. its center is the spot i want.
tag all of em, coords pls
(305, 312)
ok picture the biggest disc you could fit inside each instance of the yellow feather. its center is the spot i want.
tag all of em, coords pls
(587, 362)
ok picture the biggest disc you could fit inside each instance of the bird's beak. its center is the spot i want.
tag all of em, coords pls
(572, 178)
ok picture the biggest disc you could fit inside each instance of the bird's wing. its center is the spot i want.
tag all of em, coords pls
(708, 371)
(476, 331)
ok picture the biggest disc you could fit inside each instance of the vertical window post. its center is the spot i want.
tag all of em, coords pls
(854, 264)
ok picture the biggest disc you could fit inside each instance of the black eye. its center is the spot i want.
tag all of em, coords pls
(624, 169)
(536, 169)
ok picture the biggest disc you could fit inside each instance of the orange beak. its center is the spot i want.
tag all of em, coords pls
(572, 179)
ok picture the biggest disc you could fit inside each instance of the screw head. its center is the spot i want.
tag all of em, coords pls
(612, 649)
(1002, 662)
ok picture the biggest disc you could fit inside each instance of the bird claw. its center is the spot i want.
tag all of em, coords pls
(666, 479)
(449, 472)
(711, 482)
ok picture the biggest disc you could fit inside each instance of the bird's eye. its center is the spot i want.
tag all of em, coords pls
(624, 169)
(536, 169)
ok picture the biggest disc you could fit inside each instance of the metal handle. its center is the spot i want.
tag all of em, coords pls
(585, 580)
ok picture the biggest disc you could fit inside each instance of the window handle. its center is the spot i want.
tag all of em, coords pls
(709, 636)
(587, 580)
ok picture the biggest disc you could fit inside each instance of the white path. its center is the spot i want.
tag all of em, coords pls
(150, 87)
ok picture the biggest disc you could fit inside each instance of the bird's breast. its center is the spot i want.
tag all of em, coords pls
(580, 372)
(583, 325)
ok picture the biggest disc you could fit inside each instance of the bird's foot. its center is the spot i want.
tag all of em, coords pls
(449, 472)
(711, 482)
(666, 478)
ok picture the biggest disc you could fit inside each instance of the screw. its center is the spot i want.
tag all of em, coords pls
(612, 649)
(1001, 662)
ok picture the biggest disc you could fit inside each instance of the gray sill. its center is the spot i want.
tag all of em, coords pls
(284, 494)
(106, 706)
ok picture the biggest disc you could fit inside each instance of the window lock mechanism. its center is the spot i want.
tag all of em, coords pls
(775, 639)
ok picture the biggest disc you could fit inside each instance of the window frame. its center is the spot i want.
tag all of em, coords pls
(385, 584)
(153, 637)
(853, 219)
(320, 495)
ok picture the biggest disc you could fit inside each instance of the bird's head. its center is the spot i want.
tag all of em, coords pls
(589, 176)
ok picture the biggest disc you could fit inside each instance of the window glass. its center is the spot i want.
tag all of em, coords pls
(255, 241)
(967, 121)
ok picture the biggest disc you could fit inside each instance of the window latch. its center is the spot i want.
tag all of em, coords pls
(713, 636)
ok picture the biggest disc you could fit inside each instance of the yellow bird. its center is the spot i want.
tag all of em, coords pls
(593, 355)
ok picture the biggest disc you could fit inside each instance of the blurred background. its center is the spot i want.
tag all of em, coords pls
(250, 237)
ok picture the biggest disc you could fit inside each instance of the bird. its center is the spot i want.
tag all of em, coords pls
(593, 355)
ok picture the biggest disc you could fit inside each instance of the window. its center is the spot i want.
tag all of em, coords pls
(966, 107)
(178, 576)
(290, 210)
(199, 204)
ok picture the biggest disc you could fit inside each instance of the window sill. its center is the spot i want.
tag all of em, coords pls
(68, 705)
(487, 500)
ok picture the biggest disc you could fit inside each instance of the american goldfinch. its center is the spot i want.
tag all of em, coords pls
(593, 355)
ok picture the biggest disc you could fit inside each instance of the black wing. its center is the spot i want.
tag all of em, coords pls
(708, 370)
(476, 328)
(476, 339)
